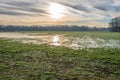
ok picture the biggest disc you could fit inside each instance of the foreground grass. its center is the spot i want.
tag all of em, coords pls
(20, 61)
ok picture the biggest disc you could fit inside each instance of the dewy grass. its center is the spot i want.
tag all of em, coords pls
(20, 61)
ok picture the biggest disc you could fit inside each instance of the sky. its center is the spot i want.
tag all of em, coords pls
(59, 12)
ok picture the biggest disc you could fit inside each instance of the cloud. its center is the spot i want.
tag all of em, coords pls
(78, 7)
(13, 13)
(116, 2)
(104, 7)
(75, 4)
(13, 7)
(77, 11)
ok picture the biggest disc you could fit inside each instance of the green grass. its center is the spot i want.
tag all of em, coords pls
(20, 61)
(93, 34)
(103, 35)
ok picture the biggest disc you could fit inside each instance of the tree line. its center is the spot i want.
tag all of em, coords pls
(51, 28)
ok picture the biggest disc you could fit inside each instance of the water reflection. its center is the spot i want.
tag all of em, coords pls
(56, 40)
(84, 42)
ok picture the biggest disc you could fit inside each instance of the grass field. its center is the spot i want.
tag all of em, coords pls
(29, 61)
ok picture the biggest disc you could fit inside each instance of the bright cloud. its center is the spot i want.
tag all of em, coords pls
(76, 12)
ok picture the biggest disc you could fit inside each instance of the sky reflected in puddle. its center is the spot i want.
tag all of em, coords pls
(84, 42)
(56, 40)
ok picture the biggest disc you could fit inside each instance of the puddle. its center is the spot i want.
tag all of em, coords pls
(87, 42)
(84, 42)
(56, 40)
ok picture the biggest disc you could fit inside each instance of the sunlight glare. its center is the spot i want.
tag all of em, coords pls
(56, 10)
(56, 40)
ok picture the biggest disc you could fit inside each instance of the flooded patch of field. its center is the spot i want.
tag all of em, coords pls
(57, 40)
(83, 42)
(86, 42)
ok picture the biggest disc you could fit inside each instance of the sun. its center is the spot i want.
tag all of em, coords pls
(56, 10)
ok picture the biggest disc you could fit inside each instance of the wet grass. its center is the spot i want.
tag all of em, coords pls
(20, 61)
(103, 35)
(93, 34)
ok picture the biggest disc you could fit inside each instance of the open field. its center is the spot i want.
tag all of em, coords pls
(59, 56)
(74, 40)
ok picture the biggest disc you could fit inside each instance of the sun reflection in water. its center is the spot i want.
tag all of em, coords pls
(56, 40)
